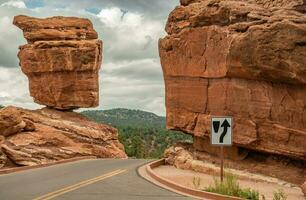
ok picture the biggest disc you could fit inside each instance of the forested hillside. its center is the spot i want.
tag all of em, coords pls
(127, 117)
(143, 134)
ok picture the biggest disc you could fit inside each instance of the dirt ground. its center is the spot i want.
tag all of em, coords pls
(262, 184)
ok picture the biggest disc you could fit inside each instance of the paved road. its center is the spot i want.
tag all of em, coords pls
(87, 179)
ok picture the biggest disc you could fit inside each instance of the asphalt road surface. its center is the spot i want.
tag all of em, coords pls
(107, 179)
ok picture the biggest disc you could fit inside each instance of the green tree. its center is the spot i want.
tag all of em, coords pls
(143, 134)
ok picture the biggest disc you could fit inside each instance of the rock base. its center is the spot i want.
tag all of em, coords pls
(49, 135)
(185, 156)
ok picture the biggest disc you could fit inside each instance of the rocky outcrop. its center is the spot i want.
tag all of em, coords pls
(55, 135)
(185, 156)
(242, 58)
(62, 61)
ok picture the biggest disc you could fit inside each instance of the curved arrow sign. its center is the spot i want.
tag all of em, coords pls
(221, 131)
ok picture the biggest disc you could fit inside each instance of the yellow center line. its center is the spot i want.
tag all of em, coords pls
(56, 193)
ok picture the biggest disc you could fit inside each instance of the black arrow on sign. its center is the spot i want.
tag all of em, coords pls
(225, 126)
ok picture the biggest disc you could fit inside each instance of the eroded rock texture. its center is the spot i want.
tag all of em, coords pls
(50, 135)
(304, 188)
(245, 59)
(62, 60)
(186, 156)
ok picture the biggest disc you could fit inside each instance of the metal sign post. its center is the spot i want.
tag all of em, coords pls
(221, 135)
(222, 158)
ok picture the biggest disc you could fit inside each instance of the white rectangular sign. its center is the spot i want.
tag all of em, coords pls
(221, 131)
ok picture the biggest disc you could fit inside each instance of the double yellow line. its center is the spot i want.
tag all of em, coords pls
(54, 194)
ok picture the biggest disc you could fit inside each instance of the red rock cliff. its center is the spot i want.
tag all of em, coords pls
(240, 58)
(62, 61)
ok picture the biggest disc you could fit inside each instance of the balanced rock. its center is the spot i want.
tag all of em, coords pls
(240, 58)
(62, 61)
(56, 135)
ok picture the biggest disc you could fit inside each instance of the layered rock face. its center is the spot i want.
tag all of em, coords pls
(239, 58)
(48, 135)
(62, 60)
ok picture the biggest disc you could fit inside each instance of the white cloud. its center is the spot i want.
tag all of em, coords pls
(130, 85)
(4, 95)
(131, 35)
(110, 17)
(10, 39)
(14, 88)
(145, 70)
(15, 3)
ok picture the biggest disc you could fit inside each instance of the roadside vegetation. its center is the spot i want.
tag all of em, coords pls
(231, 187)
(143, 134)
(280, 195)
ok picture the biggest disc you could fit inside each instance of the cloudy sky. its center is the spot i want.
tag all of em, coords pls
(131, 75)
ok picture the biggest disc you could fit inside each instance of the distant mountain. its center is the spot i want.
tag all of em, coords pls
(143, 134)
(126, 117)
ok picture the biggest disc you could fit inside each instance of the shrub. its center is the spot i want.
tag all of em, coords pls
(196, 182)
(279, 195)
(230, 187)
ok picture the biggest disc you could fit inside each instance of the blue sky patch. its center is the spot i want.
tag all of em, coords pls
(93, 10)
(34, 3)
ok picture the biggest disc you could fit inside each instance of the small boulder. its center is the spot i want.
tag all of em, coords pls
(304, 188)
(29, 126)
(10, 121)
(3, 157)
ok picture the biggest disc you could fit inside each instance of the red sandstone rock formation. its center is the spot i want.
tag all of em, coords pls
(56, 135)
(62, 61)
(239, 58)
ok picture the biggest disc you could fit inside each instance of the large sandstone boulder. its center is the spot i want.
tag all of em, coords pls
(62, 61)
(56, 136)
(240, 58)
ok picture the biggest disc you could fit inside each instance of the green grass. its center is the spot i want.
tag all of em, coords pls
(279, 195)
(196, 181)
(231, 187)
